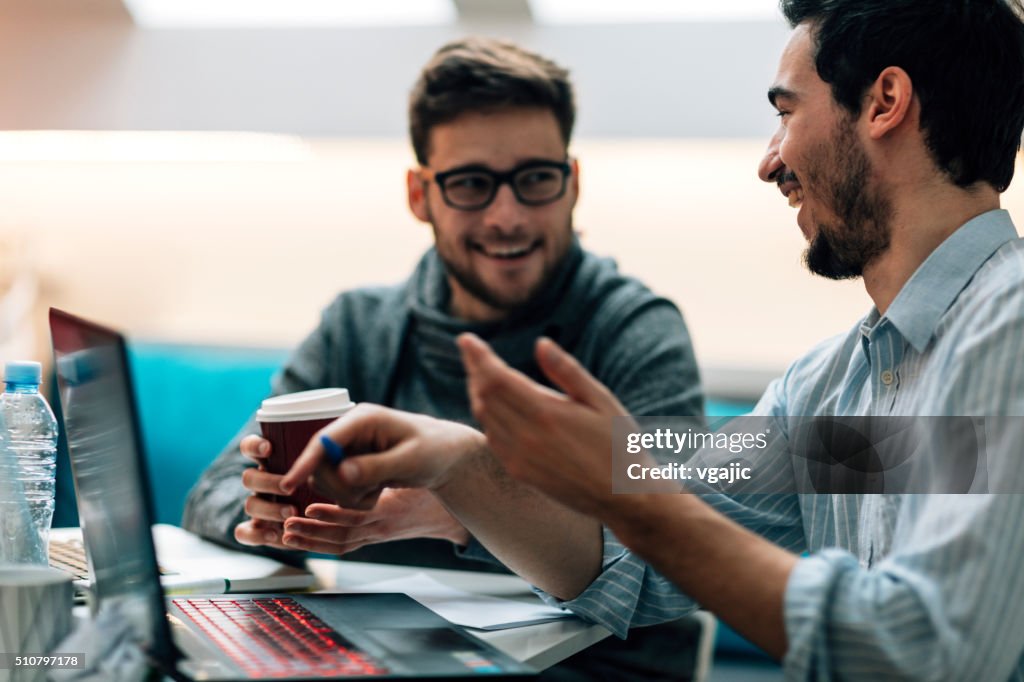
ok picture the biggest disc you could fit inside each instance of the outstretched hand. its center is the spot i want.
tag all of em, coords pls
(558, 443)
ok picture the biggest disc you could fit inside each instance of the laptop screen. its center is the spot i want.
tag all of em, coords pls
(109, 471)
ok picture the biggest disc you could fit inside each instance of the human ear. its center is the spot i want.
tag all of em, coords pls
(889, 101)
(416, 190)
(575, 180)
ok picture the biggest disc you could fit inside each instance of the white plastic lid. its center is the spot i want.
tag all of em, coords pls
(320, 403)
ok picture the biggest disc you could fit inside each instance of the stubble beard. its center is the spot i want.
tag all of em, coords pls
(842, 249)
(479, 290)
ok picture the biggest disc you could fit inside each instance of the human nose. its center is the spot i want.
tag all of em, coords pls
(771, 165)
(504, 211)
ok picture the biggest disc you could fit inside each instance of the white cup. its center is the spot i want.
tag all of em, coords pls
(35, 615)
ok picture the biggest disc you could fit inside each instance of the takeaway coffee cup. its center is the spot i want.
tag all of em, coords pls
(35, 615)
(289, 422)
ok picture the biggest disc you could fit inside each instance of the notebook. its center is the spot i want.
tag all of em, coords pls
(188, 564)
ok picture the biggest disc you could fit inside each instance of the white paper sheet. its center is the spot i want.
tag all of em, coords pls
(465, 608)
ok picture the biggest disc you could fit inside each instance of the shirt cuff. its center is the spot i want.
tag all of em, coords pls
(807, 603)
(628, 593)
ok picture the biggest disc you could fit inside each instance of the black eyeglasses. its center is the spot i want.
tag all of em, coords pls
(471, 188)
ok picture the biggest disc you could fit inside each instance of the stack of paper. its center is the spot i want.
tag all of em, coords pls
(467, 609)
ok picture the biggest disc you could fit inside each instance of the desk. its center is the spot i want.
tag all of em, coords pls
(540, 645)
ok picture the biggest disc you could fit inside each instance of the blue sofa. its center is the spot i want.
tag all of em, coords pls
(192, 401)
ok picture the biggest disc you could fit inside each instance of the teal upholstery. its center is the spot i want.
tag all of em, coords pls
(727, 641)
(715, 407)
(192, 400)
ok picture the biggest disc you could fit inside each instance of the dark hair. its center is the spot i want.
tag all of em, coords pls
(484, 74)
(964, 57)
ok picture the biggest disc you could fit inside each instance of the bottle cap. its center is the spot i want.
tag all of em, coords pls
(22, 372)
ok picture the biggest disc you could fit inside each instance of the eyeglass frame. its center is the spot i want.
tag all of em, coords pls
(499, 178)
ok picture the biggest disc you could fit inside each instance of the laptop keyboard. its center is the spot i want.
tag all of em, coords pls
(277, 637)
(69, 556)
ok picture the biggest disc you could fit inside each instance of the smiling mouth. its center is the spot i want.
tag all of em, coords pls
(790, 187)
(507, 252)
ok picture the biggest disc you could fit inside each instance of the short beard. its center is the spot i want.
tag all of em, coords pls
(842, 250)
(478, 290)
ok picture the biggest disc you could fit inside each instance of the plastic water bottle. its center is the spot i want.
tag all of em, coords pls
(28, 465)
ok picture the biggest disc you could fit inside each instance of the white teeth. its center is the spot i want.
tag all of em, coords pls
(508, 253)
(796, 197)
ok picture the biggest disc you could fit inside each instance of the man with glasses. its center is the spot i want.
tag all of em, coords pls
(490, 125)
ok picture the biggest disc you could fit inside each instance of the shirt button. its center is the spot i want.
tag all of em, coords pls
(887, 377)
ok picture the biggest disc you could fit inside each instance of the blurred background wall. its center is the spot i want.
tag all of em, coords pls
(220, 182)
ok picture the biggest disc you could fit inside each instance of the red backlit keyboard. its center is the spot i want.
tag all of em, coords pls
(277, 637)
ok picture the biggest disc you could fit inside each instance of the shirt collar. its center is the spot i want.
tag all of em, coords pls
(935, 285)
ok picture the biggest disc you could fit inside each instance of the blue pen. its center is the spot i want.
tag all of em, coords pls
(335, 453)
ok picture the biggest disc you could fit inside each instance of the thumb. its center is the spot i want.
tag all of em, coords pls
(569, 375)
(398, 467)
(478, 357)
(357, 482)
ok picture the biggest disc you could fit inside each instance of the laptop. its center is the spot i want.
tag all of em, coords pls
(187, 563)
(223, 637)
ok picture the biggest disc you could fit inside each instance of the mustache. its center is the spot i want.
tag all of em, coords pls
(783, 178)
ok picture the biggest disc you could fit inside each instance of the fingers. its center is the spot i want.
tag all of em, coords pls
(329, 538)
(501, 394)
(255, 448)
(384, 448)
(365, 424)
(307, 462)
(328, 482)
(484, 366)
(498, 392)
(341, 516)
(488, 374)
(330, 531)
(265, 510)
(359, 481)
(397, 467)
(568, 374)
(260, 533)
(257, 481)
(477, 356)
(265, 527)
(294, 540)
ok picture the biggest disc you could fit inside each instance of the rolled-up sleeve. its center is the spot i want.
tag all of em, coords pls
(944, 606)
(628, 593)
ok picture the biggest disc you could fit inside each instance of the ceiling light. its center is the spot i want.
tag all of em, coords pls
(650, 11)
(90, 146)
(288, 13)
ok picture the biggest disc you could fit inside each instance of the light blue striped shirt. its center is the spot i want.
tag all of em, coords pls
(895, 586)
